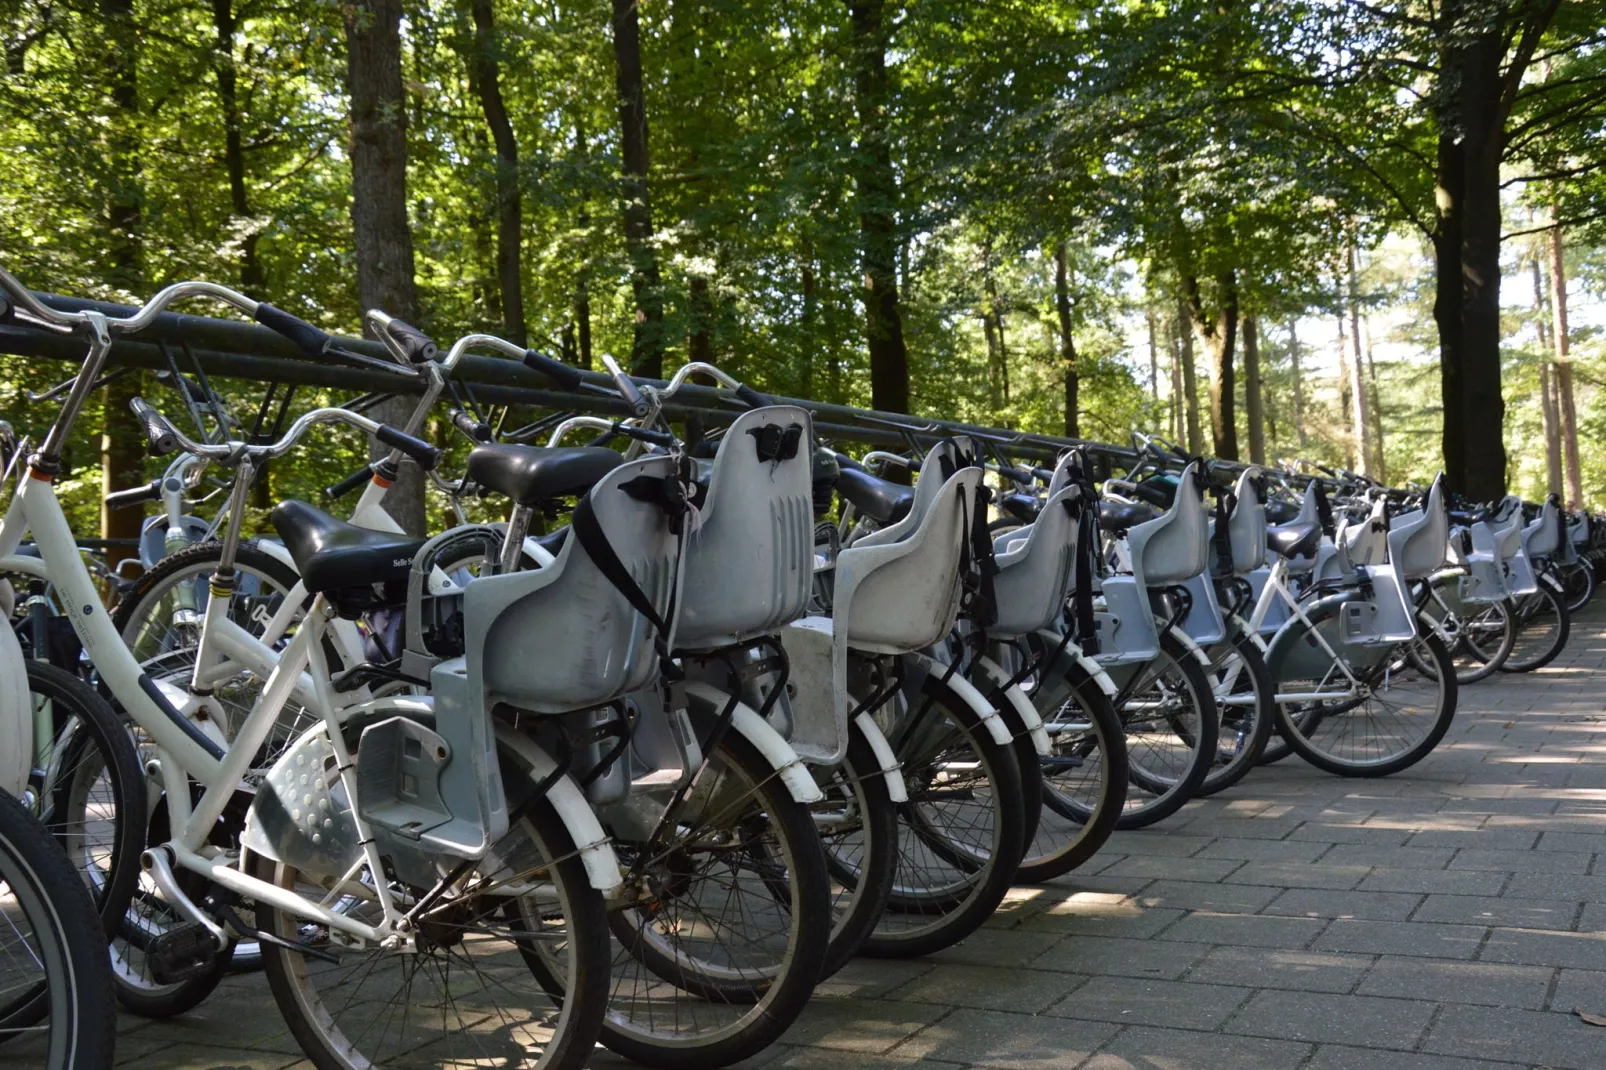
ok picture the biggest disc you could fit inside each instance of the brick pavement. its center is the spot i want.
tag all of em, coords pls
(1448, 918)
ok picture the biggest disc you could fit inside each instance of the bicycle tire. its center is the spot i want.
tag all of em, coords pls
(1543, 628)
(1246, 718)
(46, 898)
(1468, 629)
(196, 561)
(1390, 666)
(862, 881)
(1578, 582)
(1160, 796)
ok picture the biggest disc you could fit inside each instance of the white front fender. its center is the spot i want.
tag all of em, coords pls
(757, 731)
(1020, 703)
(966, 692)
(891, 771)
(16, 712)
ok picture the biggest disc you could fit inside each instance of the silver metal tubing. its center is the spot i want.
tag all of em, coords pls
(155, 861)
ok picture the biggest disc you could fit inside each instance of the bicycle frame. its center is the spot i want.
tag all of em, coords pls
(1277, 588)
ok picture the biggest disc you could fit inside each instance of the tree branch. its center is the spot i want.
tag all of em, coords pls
(1551, 176)
(1571, 221)
(1532, 31)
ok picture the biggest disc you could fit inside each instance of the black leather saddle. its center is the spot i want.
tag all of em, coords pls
(1123, 516)
(1282, 512)
(881, 501)
(531, 475)
(332, 555)
(1294, 540)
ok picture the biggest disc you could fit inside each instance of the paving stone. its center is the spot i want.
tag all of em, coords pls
(1316, 875)
(205, 1057)
(788, 1058)
(1197, 895)
(1182, 869)
(1244, 930)
(1258, 967)
(1591, 920)
(1101, 956)
(868, 1026)
(1556, 886)
(989, 948)
(1523, 861)
(1362, 1021)
(1131, 917)
(1175, 1049)
(1448, 882)
(1338, 1057)
(1401, 938)
(1010, 1041)
(1559, 1041)
(1244, 828)
(1320, 903)
(1292, 851)
(1498, 910)
(1583, 990)
(990, 988)
(1481, 839)
(1495, 984)
(1146, 1001)
(1155, 842)
(872, 978)
(1539, 948)
(1337, 833)
(1589, 843)
(1361, 854)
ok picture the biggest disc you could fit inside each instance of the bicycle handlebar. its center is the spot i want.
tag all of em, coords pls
(309, 339)
(474, 429)
(422, 453)
(350, 483)
(639, 406)
(122, 499)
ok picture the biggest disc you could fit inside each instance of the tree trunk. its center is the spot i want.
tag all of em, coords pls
(993, 330)
(384, 244)
(811, 313)
(1220, 333)
(1360, 422)
(1549, 416)
(1298, 383)
(1174, 402)
(1154, 355)
(699, 340)
(223, 23)
(1070, 373)
(122, 454)
(1374, 407)
(509, 195)
(647, 353)
(1190, 384)
(1565, 407)
(1253, 409)
(876, 194)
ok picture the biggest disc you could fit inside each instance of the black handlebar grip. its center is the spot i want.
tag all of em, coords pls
(122, 499)
(5, 309)
(309, 339)
(471, 427)
(422, 452)
(1019, 475)
(418, 347)
(752, 398)
(847, 462)
(350, 483)
(647, 434)
(563, 375)
(1044, 474)
(604, 439)
(627, 389)
(159, 433)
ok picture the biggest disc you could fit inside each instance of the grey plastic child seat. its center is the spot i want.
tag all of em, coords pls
(563, 638)
(1035, 566)
(1419, 540)
(1175, 545)
(1246, 525)
(1543, 538)
(750, 561)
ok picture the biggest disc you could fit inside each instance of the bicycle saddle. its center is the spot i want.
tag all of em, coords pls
(331, 554)
(531, 475)
(1294, 540)
(1120, 516)
(878, 499)
(1282, 512)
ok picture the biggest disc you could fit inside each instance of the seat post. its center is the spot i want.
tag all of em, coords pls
(518, 526)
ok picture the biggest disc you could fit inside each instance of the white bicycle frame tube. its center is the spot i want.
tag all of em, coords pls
(1277, 587)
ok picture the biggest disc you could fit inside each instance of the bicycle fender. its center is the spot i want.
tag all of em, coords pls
(966, 692)
(1337, 598)
(276, 550)
(884, 758)
(16, 712)
(596, 849)
(1088, 665)
(1244, 629)
(1022, 706)
(776, 750)
(1187, 640)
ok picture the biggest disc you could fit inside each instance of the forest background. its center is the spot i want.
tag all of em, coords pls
(1368, 232)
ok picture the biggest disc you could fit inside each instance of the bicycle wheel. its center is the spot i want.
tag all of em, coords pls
(1084, 778)
(1247, 703)
(858, 829)
(960, 835)
(1168, 712)
(1375, 711)
(148, 616)
(510, 971)
(52, 951)
(1577, 582)
(720, 955)
(1477, 635)
(1543, 627)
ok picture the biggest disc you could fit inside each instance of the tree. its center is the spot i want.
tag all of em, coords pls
(1253, 409)
(383, 242)
(647, 352)
(1566, 409)
(486, 78)
(1219, 329)
(1070, 375)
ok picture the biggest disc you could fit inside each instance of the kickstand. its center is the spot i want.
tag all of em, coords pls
(232, 916)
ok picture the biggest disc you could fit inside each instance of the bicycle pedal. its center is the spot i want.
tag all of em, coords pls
(180, 953)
